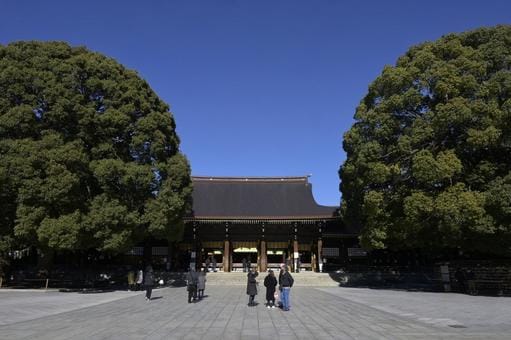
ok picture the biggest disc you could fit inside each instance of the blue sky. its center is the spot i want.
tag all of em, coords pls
(258, 88)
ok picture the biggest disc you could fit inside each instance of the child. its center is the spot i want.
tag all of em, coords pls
(270, 282)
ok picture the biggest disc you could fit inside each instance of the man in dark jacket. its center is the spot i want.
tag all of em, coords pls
(191, 284)
(148, 282)
(282, 265)
(270, 282)
(286, 282)
(251, 286)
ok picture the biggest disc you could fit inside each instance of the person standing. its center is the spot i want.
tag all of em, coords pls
(201, 283)
(208, 263)
(286, 282)
(251, 286)
(282, 265)
(148, 282)
(213, 263)
(140, 279)
(244, 262)
(270, 282)
(191, 285)
(131, 279)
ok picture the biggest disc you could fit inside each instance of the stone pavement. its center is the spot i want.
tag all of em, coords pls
(484, 313)
(316, 313)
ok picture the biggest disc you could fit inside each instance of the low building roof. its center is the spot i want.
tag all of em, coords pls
(260, 198)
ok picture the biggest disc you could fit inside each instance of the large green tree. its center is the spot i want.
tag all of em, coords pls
(89, 156)
(429, 155)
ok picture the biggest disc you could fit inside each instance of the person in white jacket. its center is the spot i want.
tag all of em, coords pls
(140, 279)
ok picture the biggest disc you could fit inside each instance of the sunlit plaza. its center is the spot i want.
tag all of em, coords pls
(316, 313)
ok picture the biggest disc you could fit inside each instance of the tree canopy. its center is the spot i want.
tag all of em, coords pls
(429, 155)
(89, 155)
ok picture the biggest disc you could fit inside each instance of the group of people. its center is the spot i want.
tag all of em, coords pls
(246, 264)
(210, 263)
(135, 280)
(285, 282)
(142, 280)
(195, 285)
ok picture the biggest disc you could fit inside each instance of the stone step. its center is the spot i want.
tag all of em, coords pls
(304, 279)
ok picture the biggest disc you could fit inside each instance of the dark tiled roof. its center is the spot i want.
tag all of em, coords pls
(256, 198)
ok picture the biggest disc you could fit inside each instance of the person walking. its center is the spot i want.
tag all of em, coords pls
(251, 286)
(286, 282)
(148, 282)
(270, 282)
(201, 283)
(140, 279)
(191, 285)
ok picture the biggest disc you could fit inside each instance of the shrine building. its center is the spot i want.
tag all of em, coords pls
(263, 220)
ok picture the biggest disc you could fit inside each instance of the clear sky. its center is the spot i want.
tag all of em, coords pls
(258, 88)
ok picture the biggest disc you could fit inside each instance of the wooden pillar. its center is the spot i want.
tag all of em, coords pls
(295, 249)
(320, 246)
(320, 258)
(193, 255)
(226, 261)
(295, 255)
(226, 257)
(313, 259)
(263, 258)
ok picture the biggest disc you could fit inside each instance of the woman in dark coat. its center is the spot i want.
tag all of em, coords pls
(148, 282)
(270, 282)
(251, 286)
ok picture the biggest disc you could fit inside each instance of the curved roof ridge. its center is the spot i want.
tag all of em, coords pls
(251, 178)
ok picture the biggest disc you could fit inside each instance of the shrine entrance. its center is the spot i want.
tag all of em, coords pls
(244, 253)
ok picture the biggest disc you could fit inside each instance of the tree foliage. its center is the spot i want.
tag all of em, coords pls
(428, 157)
(89, 156)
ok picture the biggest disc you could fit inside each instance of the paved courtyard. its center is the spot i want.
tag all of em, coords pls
(316, 313)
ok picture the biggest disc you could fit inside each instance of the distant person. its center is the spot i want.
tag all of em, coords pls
(201, 283)
(249, 263)
(208, 263)
(323, 264)
(289, 262)
(148, 282)
(140, 279)
(131, 279)
(213, 263)
(270, 282)
(191, 285)
(460, 277)
(251, 286)
(244, 262)
(286, 282)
